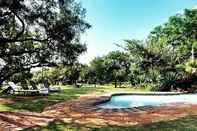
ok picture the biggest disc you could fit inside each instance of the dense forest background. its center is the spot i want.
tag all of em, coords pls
(165, 60)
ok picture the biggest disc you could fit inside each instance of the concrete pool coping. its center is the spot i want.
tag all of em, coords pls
(150, 93)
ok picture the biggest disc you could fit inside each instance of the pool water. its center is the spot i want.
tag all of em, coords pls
(129, 101)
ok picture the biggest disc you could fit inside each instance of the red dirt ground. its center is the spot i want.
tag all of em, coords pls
(82, 111)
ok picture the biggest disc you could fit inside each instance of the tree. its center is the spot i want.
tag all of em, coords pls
(117, 66)
(158, 59)
(84, 74)
(38, 33)
(180, 33)
(97, 70)
(113, 67)
(73, 73)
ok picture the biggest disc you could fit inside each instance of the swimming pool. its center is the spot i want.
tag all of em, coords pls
(140, 100)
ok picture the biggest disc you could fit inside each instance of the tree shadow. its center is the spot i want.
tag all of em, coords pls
(182, 124)
(59, 125)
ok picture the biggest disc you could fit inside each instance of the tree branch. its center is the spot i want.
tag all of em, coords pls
(5, 14)
(15, 53)
(23, 26)
(15, 39)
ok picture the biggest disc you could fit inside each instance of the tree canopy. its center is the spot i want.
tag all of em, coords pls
(38, 33)
(162, 58)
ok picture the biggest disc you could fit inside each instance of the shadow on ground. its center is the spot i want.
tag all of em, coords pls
(184, 124)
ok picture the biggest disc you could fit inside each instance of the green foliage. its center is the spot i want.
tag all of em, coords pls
(192, 63)
(39, 33)
(18, 77)
(165, 56)
(109, 68)
(97, 70)
(112, 67)
(62, 74)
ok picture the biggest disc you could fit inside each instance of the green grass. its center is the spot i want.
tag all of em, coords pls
(68, 93)
(184, 124)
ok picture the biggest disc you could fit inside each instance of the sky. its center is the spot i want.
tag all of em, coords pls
(116, 20)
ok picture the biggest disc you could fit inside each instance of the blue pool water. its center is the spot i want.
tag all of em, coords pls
(129, 101)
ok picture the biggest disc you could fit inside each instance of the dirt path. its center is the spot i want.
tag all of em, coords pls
(82, 111)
